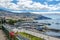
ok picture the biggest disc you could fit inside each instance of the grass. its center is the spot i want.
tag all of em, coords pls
(30, 37)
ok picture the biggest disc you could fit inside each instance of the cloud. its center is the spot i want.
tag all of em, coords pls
(28, 5)
(45, 12)
(12, 6)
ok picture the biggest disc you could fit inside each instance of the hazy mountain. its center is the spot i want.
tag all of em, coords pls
(24, 14)
(53, 16)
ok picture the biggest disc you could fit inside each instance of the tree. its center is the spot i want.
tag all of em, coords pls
(12, 22)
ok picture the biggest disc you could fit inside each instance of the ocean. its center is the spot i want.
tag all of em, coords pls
(55, 24)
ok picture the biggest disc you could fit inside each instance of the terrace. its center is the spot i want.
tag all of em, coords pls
(10, 31)
(14, 28)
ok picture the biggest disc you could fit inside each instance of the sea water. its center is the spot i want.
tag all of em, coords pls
(55, 24)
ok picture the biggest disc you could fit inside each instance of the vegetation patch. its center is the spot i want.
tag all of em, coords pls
(30, 37)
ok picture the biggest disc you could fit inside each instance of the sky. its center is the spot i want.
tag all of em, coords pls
(30, 5)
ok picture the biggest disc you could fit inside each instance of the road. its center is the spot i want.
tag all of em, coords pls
(2, 36)
(39, 35)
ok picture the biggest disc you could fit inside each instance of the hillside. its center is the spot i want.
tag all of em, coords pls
(27, 14)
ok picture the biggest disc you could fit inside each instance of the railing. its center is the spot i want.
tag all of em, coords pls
(15, 37)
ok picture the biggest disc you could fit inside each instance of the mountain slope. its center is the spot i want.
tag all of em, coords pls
(24, 14)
